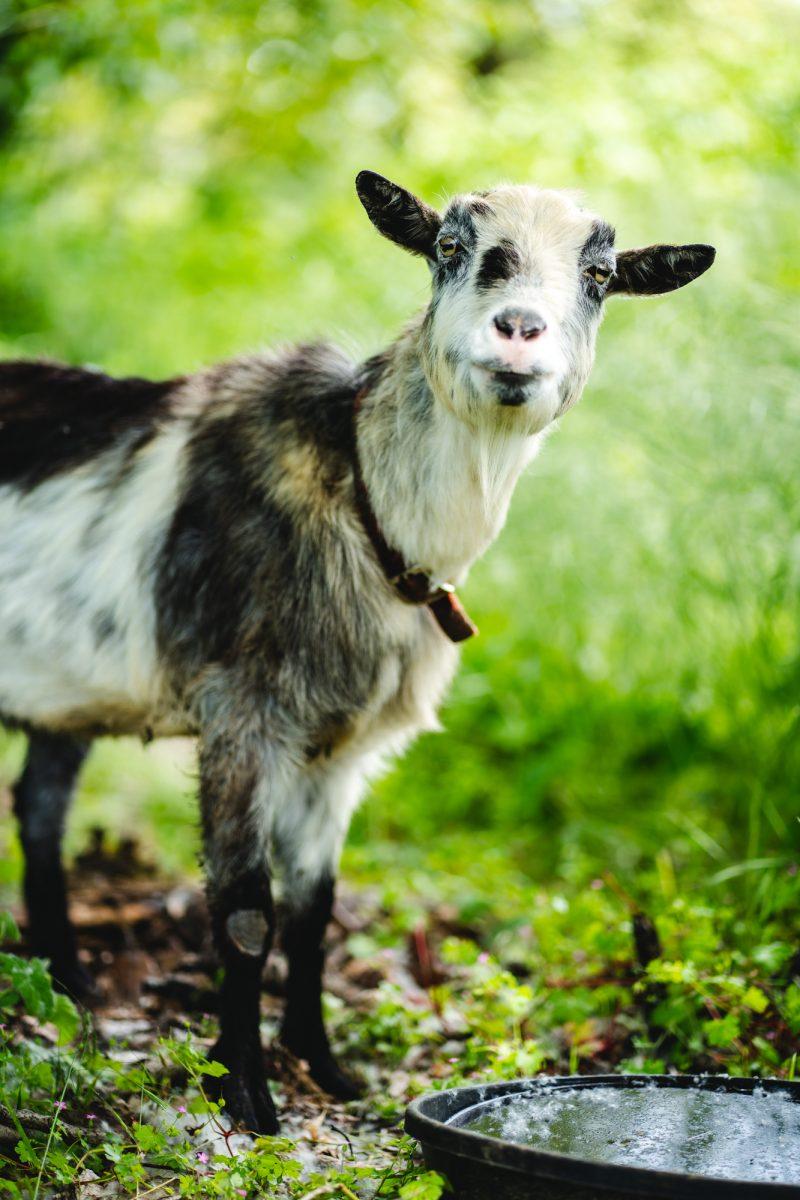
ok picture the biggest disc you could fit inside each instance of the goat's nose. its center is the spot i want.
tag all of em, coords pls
(519, 322)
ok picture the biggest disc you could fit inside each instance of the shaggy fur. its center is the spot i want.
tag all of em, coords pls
(188, 558)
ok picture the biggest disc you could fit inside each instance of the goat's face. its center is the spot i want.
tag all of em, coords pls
(516, 303)
(519, 280)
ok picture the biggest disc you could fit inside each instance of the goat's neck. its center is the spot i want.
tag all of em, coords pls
(439, 488)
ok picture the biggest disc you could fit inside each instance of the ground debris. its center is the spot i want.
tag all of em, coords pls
(146, 941)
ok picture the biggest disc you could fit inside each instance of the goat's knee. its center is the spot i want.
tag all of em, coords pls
(242, 916)
(249, 932)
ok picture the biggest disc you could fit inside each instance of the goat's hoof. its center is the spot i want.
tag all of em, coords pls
(336, 1082)
(73, 979)
(245, 1092)
(249, 1104)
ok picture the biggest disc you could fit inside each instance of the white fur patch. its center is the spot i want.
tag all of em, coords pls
(77, 621)
(304, 812)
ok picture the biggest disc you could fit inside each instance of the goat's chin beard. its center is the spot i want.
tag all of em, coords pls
(527, 412)
(486, 409)
(536, 414)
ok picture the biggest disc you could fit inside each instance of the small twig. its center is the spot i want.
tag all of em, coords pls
(326, 1189)
(619, 891)
(716, 1015)
(157, 1186)
(330, 1189)
(38, 1123)
(343, 1133)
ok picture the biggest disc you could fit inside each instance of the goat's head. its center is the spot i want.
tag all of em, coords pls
(520, 276)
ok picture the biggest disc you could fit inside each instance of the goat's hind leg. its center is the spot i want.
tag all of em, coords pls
(42, 796)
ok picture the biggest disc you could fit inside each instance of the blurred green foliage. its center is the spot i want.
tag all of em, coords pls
(177, 183)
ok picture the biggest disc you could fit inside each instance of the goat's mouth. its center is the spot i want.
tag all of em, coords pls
(511, 387)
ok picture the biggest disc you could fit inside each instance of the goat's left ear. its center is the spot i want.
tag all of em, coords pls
(657, 269)
(398, 214)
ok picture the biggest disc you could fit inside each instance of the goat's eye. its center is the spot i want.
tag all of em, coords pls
(599, 274)
(448, 246)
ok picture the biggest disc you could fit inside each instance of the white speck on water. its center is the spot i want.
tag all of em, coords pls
(695, 1131)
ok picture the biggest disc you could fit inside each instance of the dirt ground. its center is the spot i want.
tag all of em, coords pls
(147, 944)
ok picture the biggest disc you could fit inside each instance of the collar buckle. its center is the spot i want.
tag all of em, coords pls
(414, 585)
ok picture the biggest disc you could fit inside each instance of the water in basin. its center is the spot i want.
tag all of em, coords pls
(688, 1130)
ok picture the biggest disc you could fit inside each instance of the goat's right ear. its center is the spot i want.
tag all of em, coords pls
(399, 215)
(658, 269)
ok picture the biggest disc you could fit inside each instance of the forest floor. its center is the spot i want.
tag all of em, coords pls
(119, 1100)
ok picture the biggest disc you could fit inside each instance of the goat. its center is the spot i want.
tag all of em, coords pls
(263, 555)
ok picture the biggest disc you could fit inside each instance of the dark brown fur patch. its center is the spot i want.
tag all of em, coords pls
(499, 263)
(599, 244)
(53, 418)
(479, 208)
(240, 578)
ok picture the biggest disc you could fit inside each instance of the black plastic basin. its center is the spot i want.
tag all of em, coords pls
(707, 1136)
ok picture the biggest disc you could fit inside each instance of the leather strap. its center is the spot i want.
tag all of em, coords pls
(412, 584)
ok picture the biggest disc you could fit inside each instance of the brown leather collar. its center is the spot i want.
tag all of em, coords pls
(412, 584)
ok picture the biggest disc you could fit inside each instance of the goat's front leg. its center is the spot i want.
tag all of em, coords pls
(242, 921)
(308, 847)
(303, 1030)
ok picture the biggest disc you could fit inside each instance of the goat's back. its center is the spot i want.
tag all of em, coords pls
(54, 417)
(89, 472)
